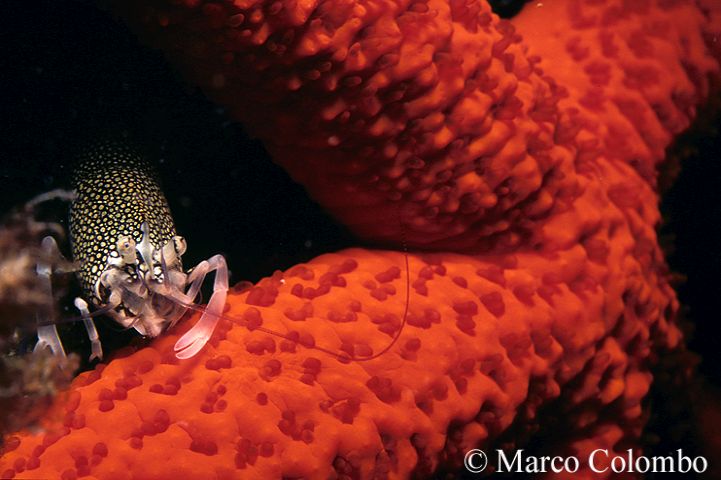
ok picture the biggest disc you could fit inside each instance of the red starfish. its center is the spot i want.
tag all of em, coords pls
(518, 160)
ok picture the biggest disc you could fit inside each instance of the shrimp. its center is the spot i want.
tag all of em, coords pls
(129, 258)
(124, 242)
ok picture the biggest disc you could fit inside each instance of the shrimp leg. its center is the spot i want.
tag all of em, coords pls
(97, 349)
(195, 339)
(47, 332)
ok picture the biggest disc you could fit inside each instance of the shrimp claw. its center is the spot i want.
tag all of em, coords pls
(97, 349)
(195, 339)
(47, 332)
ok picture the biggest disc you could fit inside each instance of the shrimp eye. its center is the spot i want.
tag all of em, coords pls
(126, 249)
(180, 245)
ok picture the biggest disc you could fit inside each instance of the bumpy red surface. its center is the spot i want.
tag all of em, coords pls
(525, 154)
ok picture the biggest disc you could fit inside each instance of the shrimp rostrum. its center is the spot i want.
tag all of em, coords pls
(128, 254)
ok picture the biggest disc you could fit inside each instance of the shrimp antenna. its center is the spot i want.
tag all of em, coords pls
(397, 335)
(95, 313)
(343, 356)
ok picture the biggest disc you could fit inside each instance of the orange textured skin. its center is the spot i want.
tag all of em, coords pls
(487, 341)
(437, 117)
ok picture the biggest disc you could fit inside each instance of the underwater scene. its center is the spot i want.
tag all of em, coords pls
(372, 239)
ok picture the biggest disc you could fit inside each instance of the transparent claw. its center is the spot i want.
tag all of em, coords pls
(96, 347)
(48, 337)
(47, 332)
(195, 339)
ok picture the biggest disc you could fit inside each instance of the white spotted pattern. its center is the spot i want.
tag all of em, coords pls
(116, 192)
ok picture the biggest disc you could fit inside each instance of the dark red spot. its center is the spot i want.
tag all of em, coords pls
(307, 340)
(252, 318)
(461, 385)
(133, 381)
(389, 275)
(466, 308)
(306, 436)
(219, 362)
(332, 279)
(547, 292)
(297, 290)
(145, 366)
(466, 324)
(311, 364)
(424, 402)
(347, 266)
(492, 273)
(347, 348)
(300, 314)
(100, 449)
(105, 394)
(413, 344)
(262, 296)
(120, 393)
(524, 293)
(494, 303)
(426, 273)
(346, 411)
(81, 461)
(384, 389)
(440, 391)
(379, 294)
(517, 346)
(170, 389)
(78, 421)
(69, 474)
(204, 446)
(156, 388)
(301, 271)
(33, 463)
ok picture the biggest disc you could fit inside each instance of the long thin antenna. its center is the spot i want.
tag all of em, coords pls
(408, 296)
(340, 355)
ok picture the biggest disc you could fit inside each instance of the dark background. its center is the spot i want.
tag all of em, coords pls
(69, 73)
